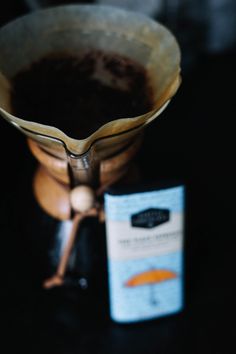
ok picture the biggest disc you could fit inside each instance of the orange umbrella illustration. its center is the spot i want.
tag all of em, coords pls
(150, 277)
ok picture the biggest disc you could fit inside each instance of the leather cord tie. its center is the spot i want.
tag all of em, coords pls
(83, 203)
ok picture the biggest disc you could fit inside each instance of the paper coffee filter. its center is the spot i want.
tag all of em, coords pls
(75, 29)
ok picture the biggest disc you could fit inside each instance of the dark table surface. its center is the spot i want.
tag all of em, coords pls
(194, 141)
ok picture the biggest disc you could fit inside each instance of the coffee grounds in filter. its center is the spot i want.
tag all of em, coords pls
(80, 94)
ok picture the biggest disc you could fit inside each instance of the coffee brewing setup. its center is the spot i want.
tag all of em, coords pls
(74, 173)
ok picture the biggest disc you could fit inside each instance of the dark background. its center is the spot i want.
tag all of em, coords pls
(194, 141)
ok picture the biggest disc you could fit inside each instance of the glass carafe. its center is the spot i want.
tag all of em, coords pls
(76, 28)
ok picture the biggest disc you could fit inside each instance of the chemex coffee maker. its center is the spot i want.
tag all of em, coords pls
(74, 173)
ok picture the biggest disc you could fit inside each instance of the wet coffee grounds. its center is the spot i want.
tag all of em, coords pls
(66, 91)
